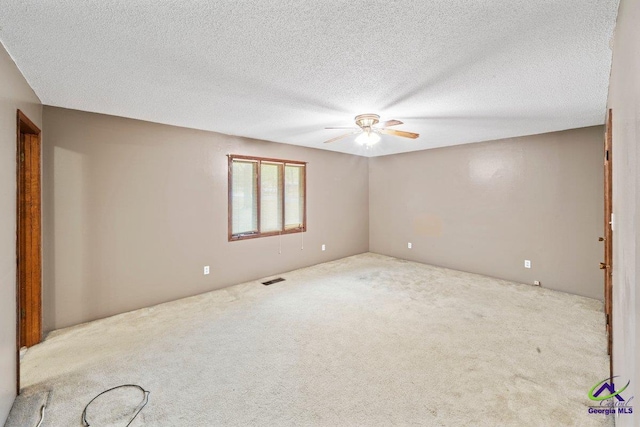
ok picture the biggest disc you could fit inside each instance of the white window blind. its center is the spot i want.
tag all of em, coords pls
(294, 196)
(270, 197)
(244, 195)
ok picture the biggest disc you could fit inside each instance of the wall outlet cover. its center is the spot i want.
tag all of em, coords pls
(527, 263)
(206, 269)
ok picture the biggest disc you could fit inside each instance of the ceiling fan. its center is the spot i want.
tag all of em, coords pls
(370, 133)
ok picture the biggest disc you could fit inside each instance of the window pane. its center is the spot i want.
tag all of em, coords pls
(270, 197)
(244, 196)
(294, 196)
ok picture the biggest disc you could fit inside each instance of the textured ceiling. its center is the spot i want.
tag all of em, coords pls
(456, 71)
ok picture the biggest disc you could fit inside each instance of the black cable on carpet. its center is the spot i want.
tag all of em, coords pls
(142, 404)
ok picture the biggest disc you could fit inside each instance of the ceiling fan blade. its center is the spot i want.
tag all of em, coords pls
(337, 138)
(392, 122)
(399, 133)
(343, 127)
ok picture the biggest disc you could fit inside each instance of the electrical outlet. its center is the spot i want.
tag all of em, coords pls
(527, 263)
(536, 283)
(206, 270)
(324, 247)
(409, 245)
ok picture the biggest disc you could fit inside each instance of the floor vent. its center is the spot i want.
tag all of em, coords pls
(272, 281)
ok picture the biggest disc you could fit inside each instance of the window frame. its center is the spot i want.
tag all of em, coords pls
(237, 237)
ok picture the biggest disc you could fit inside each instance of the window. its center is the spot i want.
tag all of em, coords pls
(267, 197)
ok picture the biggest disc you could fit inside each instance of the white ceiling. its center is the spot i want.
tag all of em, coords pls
(456, 71)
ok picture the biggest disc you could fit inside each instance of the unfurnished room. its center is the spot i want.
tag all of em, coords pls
(319, 213)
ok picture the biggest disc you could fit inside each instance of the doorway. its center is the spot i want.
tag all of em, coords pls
(29, 237)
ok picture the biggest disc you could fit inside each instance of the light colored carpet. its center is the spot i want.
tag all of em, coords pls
(27, 410)
(367, 340)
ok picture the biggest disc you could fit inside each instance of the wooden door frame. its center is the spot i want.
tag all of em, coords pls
(24, 126)
(608, 235)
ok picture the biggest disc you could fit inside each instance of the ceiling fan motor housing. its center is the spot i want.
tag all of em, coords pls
(366, 121)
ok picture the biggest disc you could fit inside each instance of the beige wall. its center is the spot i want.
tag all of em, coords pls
(15, 94)
(487, 207)
(134, 210)
(624, 100)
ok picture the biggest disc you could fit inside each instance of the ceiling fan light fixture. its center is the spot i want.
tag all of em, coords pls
(368, 138)
(370, 133)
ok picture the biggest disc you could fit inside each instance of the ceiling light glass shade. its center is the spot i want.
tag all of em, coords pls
(368, 138)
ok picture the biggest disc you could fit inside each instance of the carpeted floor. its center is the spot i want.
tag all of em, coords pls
(363, 341)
